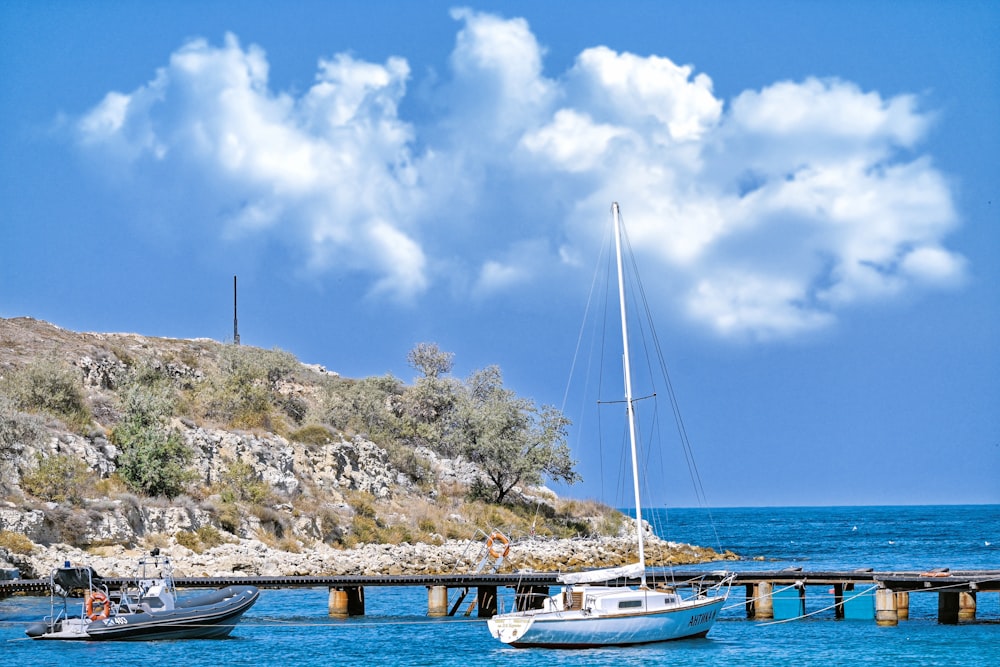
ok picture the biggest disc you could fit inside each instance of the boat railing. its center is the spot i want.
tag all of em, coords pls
(63, 582)
(154, 570)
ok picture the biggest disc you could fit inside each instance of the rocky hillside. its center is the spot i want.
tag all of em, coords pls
(241, 459)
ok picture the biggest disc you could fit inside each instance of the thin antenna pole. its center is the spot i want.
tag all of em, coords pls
(236, 324)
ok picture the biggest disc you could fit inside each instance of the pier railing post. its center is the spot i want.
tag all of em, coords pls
(885, 607)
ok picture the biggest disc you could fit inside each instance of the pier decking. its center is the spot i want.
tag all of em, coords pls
(769, 594)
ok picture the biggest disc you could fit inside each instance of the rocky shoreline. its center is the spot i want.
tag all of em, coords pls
(248, 557)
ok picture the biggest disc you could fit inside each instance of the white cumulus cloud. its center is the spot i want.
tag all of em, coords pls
(763, 216)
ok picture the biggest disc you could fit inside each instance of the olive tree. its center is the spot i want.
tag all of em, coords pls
(512, 440)
(427, 408)
(430, 360)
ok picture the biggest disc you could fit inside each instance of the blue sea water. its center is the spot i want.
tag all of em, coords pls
(292, 627)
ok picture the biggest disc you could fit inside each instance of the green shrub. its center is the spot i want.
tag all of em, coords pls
(187, 539)
(480, 491)
(313, 434)
(242, 484)
(364, 530)
(59, 478)
(210, 536)
(51, 387)
(363, 504)
(359, 406)
(405, 460)
(200, 540)
(18, 431)
(245, 395)
(230, 517)
(152, 459)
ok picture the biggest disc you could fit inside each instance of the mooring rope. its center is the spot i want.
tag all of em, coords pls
(862, 593)
(818, 611)
(759, 597)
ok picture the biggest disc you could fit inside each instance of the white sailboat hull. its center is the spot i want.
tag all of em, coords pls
(585, 615)
(587, 629)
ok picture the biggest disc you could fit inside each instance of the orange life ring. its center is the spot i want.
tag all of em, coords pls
(102, 599)
(497, 536)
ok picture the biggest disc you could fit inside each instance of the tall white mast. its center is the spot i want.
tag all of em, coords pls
(628, 389)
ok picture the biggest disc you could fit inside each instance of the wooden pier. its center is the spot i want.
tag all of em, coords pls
(775, 595)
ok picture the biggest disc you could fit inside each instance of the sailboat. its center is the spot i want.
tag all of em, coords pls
(588, 612)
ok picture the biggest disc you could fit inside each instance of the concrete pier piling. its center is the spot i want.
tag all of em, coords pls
(902, 605)
(967, 606)
(760, 605)
(346, 601)
(885, 607)
(437, 600)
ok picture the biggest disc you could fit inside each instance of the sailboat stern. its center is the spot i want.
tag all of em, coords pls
(509, 628)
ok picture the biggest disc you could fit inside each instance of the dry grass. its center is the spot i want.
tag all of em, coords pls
(16, 542)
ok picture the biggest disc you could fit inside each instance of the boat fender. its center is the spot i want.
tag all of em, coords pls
(497, 536)
(99, 598)
(37, 629)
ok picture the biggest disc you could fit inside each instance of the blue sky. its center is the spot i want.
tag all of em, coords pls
(812, 187)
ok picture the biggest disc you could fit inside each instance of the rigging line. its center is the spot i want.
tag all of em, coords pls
(635, 288)
(602, 348)
(624, 471)
(675, 405)
(640, 306)
(583, 325)
(588, 326)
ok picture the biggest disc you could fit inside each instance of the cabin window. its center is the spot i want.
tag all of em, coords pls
(629, 604)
